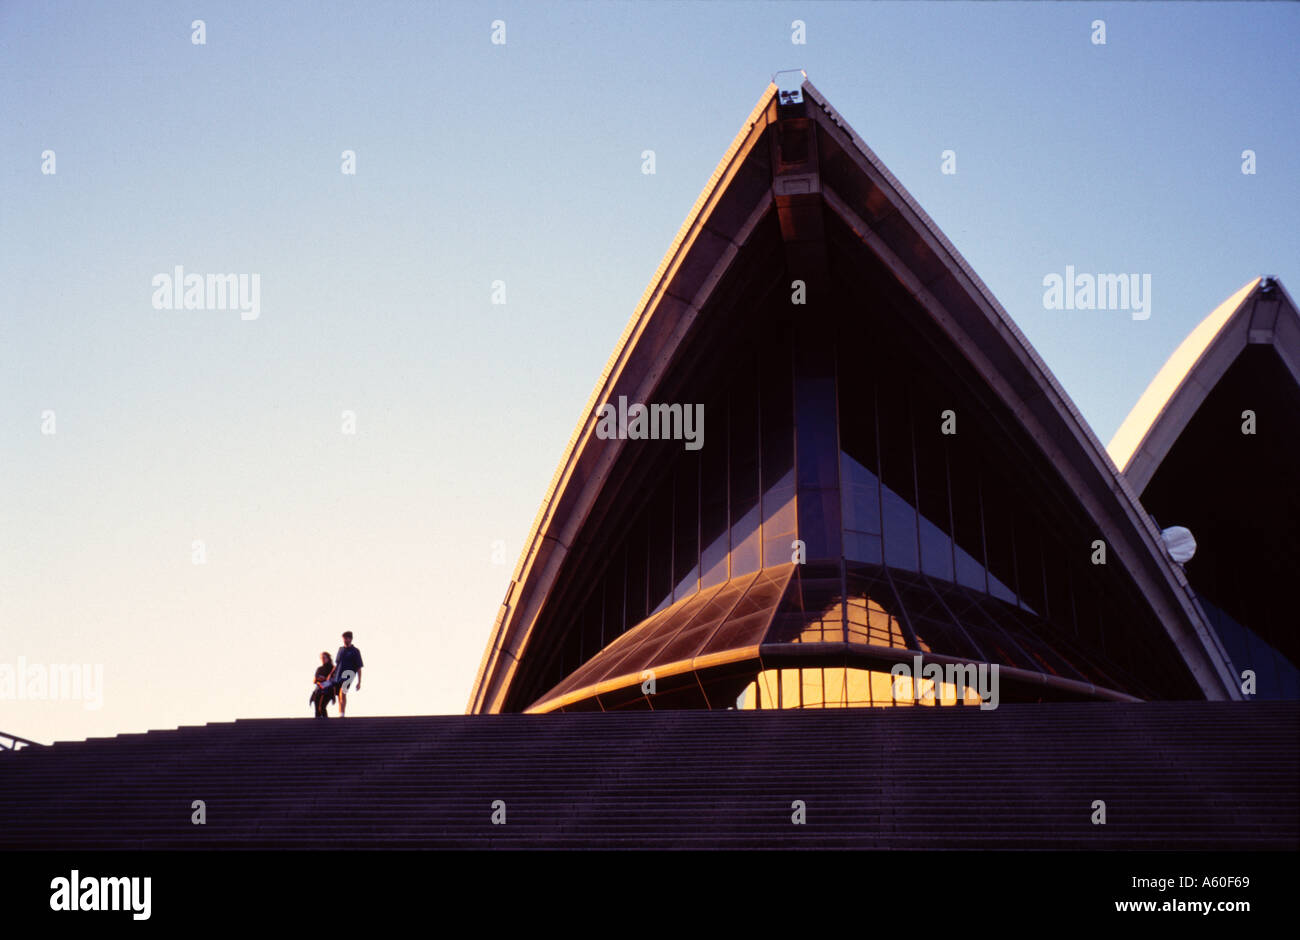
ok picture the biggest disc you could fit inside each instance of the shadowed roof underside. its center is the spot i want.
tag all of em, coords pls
(1259, 313)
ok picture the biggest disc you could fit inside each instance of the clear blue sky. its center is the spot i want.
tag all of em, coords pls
(478, 162)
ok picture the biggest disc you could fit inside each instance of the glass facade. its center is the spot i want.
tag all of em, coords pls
(845, 687)
(850, 491)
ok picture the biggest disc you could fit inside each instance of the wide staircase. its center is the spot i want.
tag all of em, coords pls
(1173, 775)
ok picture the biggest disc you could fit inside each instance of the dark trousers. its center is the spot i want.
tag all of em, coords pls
(320, 698)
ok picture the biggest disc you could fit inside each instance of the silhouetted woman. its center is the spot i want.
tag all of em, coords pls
(321, 696)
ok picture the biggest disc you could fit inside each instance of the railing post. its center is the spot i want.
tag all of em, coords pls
(15, 742)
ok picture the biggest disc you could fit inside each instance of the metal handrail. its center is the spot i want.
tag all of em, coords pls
(15, 742)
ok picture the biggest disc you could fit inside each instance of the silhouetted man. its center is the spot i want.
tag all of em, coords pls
(347, 668)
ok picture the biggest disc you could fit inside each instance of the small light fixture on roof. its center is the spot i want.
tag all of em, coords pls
(789, 85)
(1182, 546)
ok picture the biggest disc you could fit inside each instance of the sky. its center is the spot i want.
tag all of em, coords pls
(194, 503)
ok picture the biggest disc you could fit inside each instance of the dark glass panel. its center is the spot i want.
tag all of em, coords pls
(1098, 674)
(593, 638)
(1013, 637)
(999, 501)
(968, 532)
(874, 582)
(818, 456)
(944, 592)
(745, 555)
(970, 571)
(745, 548)
(736, 633)
(936, 550)
(1029, 560)
(1089, 669)
(764, 592)
(898, 489)
(646, 653)
(871, 612)
(660, 520)
(779, 528)
(594, 667)
(714, 536)
(686, 526)
(1048, 650)
(777, 407)
(1056, 571)
(615, 578)
(584, 640)
(819, 526)
(859, 546)
(998, 589)
(778, 549)
(812, 610)
(1117, 643)
(817, 435)
(932, 483)
(1033, 636)
(972, 611)
(900, 531)
(859, 485)
(748, 622)
(861, 497)
(934, 629)
(857, 409)
(580, 676)
(1087, 607)
(688, 640)
(636, 575)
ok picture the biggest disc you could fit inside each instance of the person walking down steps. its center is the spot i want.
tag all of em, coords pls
(321, 694)
(347, 672)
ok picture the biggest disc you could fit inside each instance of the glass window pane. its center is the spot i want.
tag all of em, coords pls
(900, 532)
(646, 653)
(932, 483)
(898, 489)
(859, 546)
(936, 551)
(861, 496)
(660, 520)
(818, 449)
(715, 543)
(815, 396)
(778, 439)
(612, 625)
(745, 553)
(934, 628)
(998, 502)
(690, 638)
(636, 575)
(686, 526)
(747, 624)
(1029, 561)
(968, 532)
